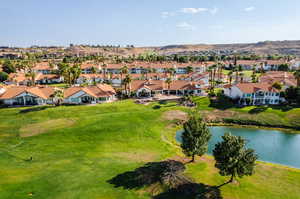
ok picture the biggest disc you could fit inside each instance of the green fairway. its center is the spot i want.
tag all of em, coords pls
(76, 150)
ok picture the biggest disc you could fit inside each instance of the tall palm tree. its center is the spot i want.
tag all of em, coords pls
(218, 70)
(241, 77)
(31, 75)
(124, 70)
(253, 76)
(262, 67)
(168, 82)
(230, 77)
(236, 75)
(297, 76)
(58, 97)
(75, 72)
(147, 70)
(189, 69)
(213, 75)
(127, 81)
(29, 65)
(93, 70)
(210, 71)
(104, 67)
(172, 72)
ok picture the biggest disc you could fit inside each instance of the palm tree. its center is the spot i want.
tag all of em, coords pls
(213, 69)
(29, 65)
(172, 72)
(230, 77)
(75, 72)
(31, 75)
(147, 70)
(189, 69)
(219, 71)
(168, 82)
(58, 97)
(210, 77)
(124, 70)
(93, 70)
(127, 81)
(253, 76)
(104, 66)
(297, 76)
(242, 77)
(262, 67)
(236, 75)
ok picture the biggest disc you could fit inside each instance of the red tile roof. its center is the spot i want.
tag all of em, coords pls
(161, 85)
(42, 92)
(254, 87)
(100, 90)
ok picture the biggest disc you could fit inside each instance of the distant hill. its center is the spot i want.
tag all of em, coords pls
(262, 48)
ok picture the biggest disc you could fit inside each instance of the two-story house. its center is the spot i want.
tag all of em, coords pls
(253, 93)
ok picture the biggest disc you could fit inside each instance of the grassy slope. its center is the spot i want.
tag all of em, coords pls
(104, 141)
(272, 116)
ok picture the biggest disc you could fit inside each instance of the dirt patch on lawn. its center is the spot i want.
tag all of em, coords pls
(175, 115)
(43, 127)
(217, 115)
(139, 157)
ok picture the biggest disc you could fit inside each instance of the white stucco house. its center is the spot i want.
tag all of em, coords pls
(26, 96)
(148, 88)
(99, 93)
(253, 93)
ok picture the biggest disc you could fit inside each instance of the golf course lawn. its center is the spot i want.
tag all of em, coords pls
(76, 150)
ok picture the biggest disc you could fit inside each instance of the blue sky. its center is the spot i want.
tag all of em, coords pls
(147, 22)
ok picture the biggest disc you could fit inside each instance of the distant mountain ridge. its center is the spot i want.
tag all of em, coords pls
(265, 47)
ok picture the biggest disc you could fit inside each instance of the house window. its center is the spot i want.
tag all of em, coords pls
(74, 100)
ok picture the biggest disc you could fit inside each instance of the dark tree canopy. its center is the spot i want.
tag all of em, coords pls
(3, 76)
(8, 67)
(232, 158)
(195, 137)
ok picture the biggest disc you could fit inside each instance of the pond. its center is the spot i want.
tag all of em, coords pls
(271, 145)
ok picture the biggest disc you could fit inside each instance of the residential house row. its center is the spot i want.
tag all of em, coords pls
(99, 93)
(40, 95)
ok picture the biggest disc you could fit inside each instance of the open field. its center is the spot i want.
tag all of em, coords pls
(77, 149)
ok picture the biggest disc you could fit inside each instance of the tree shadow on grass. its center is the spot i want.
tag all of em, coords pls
(191, 191)
(165, 172)
(35, 109)
(168, 174)
(222, 103)
(257, 110)
(283, 108)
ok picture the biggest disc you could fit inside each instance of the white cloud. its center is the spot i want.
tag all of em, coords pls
(167, 14)
(214, 11)
(249, 9)
(193, 10)
(185, 26)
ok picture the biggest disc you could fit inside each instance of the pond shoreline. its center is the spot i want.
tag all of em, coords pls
(283, 129)
(257, 140)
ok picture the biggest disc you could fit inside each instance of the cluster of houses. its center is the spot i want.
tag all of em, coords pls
(93, 94)
(148, 80)
(41, 95)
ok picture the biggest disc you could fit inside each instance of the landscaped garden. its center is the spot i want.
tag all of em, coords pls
(78, 151)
